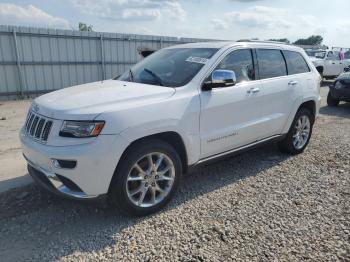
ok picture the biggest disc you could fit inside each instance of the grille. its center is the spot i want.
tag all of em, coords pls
(38, 127)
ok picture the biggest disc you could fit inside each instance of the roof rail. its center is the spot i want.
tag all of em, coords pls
(262, 41)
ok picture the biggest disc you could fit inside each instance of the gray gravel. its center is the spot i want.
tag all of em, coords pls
(258, 206)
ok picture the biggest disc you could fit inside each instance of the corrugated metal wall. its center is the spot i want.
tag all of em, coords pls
(35, 60)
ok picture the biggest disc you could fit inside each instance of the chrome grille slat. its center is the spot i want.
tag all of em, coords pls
(30, 122)
(34, 125)
(27, 120)
(38, 127)
(46, 131)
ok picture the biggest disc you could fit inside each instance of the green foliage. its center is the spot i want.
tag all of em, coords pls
(284, 40)
(311, 40)
(84, 27)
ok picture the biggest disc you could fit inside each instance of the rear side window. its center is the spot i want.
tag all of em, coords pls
(296, 63)
(271, 63)
(241, 62)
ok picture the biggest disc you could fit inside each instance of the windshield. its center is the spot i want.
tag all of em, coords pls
(169, 67)
(320, 55)
(317, 54)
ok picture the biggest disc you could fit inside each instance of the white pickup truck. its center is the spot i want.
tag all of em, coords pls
(328, 63)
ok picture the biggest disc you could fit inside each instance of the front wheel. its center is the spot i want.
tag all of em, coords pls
(299, 134)
(146, 178)
(331, 101)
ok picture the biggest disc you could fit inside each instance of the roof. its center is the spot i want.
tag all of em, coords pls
(221, 44)
(214, 44)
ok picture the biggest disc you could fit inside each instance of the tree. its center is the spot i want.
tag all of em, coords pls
(284, 40)
(84, 27)
(311, 40)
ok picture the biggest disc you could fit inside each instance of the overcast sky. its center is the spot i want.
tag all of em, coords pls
(222, 19)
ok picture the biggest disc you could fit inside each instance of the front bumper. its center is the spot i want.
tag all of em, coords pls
(342, 94)
(50, 182)
(90, 178)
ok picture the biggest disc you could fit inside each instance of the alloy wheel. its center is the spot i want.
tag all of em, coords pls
(301, 132)
(150, 179)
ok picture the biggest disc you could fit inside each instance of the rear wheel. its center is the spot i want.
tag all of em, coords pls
(146, 178)
(332, 101)
(299, 133)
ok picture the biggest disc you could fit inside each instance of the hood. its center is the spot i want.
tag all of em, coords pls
(315, 60)
(344, 78)
(85, 102)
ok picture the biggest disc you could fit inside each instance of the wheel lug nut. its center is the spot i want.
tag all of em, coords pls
(157, 177)
(146, 185)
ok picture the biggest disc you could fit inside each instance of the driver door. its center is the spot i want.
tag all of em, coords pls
(232, 116)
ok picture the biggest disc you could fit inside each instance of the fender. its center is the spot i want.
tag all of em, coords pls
(190, 140)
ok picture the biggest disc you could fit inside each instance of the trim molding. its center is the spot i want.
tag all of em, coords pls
(237, 149)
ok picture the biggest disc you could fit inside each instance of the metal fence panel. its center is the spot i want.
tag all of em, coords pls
(36, 60)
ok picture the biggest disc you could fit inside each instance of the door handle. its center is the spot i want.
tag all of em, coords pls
(253, 90)
(293, 83)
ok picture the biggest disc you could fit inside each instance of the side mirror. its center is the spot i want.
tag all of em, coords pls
(220, 78)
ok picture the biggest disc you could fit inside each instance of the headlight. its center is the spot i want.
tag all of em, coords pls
(81, 128)
(338, 85)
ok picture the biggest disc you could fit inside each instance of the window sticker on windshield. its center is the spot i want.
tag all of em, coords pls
(199, 60)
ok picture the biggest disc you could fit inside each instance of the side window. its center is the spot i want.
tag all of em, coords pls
(241, 62)
(295, 63)
(271, 63)
(330, 56)
(336, 55)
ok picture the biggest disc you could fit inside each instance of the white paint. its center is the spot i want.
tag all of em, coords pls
(209, 122)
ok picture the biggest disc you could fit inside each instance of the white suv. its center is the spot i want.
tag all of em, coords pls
(132, 138)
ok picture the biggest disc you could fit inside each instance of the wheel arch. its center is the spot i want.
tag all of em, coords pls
(311, 106)
(308, 103)
(171, 137)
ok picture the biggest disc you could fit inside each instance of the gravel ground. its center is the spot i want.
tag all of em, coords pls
(257, 206)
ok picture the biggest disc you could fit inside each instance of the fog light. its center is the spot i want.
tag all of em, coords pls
(68, 164)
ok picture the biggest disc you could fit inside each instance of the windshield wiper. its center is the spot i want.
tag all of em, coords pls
(160, 81)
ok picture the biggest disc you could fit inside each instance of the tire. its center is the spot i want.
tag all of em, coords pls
(332, 101)
(154, 190)
(287, 145)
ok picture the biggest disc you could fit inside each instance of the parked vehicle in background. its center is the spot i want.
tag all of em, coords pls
(132, 138)
(328, 63)
(340, 90)
(347, 55)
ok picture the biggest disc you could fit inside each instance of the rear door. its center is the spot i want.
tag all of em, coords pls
(341, 63)
(279, 90)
